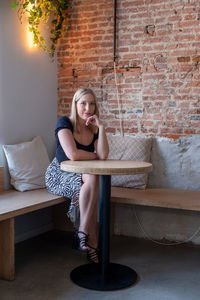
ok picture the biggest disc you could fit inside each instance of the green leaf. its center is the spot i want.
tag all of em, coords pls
(25, 4)
(54, 21)
(40, 13)
(14, 4)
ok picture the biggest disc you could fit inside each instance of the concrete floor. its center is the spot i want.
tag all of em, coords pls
(43, 266)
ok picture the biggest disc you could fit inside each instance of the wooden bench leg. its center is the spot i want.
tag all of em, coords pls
(7, 249)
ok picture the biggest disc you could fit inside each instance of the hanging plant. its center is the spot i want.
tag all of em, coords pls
(51, 13)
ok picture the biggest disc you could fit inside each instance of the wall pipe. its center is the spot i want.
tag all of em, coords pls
(115, 21)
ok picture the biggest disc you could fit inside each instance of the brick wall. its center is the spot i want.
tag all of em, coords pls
(157, 64)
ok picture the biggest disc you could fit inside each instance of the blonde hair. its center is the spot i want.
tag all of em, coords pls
(77, 96)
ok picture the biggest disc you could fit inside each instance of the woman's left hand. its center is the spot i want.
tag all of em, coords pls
(93, 120)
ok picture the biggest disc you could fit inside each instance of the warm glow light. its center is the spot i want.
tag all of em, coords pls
(29, 35)
(30, 38)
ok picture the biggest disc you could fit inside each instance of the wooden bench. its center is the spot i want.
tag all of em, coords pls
(12, 204)
(157, 197)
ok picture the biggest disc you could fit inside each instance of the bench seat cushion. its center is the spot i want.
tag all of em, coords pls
(130, 148)
(176, 163)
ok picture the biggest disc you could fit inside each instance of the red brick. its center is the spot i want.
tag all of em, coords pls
(89, 59)
(172, 136)
(183, 59)
(187, 24)
(196, 58)
(133, 3)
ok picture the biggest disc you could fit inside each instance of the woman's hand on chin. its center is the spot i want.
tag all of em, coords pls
(93, 120)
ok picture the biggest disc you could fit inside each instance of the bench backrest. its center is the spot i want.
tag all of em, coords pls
(1, 179)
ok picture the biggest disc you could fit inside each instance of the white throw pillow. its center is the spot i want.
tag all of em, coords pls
(27, 163)
(130, 148)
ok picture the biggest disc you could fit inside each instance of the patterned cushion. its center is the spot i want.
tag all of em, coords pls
(130, 148)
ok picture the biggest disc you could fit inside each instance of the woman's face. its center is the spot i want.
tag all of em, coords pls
(85, 106)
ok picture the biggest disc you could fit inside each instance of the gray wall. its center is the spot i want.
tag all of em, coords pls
(28, 98)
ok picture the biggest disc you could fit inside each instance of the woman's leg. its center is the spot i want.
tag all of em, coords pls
(93, 227)
(92, 255)
(88, 204)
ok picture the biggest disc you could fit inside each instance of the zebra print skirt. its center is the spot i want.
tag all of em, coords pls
(65, 184)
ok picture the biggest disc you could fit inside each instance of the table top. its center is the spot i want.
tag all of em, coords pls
(106, 167)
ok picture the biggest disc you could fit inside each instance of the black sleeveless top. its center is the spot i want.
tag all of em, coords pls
(65, 122)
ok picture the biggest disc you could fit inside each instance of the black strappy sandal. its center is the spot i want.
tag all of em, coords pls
(93, 255)
(80, 243)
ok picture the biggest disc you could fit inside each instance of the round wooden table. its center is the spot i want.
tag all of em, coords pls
(105, 275)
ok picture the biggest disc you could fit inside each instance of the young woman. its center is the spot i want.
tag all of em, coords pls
(80, 137)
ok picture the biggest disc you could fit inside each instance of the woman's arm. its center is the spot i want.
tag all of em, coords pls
(69, 146)
(101, 145)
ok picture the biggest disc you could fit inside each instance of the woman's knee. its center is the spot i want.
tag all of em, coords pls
(91, 179)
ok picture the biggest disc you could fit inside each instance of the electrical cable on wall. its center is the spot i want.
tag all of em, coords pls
(115, 71)
(160, 243)
(118, 101)
(115, 25)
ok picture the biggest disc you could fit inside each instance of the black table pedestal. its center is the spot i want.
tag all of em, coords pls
(89, 276)
(104, 276)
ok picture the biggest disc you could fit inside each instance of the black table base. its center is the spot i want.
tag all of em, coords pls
(89, 276)
(104, 276)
